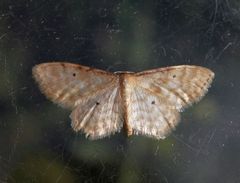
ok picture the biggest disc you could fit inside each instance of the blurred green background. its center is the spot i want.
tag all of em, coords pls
(37, 143)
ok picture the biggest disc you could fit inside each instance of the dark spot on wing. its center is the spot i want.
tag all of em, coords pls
(174, 76)
(97, 103)
(153, 102)
(63, 65)
(74, 74)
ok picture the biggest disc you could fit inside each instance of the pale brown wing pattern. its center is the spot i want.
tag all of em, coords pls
(159, 95)
(181, 85)
(92, 94)
(150, 101)
(99, 116)
(150, 114)
(66, 83)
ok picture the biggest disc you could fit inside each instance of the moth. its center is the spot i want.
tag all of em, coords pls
(103, 103)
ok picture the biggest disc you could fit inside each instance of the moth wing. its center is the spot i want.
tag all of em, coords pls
(92, 93)
(180, 85)
(67, 84)
(99, 116)
(151, 115)
(158, 95)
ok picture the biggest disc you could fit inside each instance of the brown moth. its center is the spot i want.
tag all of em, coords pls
(102, 102)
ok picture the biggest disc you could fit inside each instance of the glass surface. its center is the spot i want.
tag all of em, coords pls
(37, 143)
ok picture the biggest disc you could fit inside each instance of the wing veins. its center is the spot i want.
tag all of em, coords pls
(151, 92)
(155, 93)
(139, 97)
(99, 109)
(86, 117)
(100, 90)
(175, 93)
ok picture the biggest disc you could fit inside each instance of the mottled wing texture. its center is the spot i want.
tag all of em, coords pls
(159, 95)
(99, 116)
(150, 114)
(92, 94)
(66, 84)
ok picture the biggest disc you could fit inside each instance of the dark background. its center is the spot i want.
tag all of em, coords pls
(37, 143)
